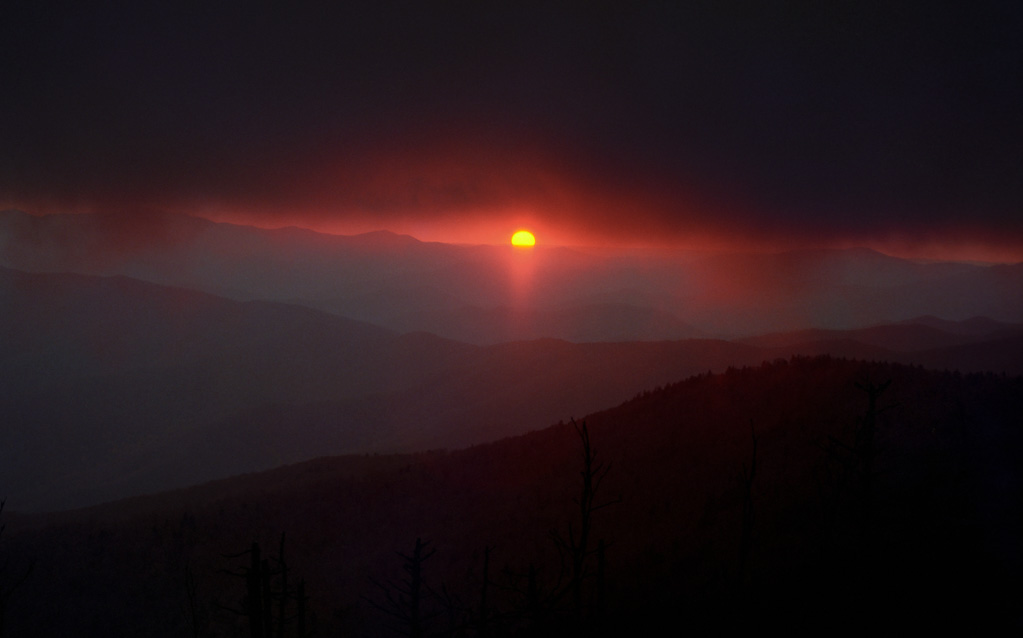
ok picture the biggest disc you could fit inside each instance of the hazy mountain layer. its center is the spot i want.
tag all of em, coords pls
(113, 386)
(491, 294)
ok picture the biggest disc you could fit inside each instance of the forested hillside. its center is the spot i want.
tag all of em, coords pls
(810, 494)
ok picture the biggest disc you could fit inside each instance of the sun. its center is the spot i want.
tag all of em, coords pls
(523, 238)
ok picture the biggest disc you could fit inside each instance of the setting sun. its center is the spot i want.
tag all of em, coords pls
(523, 238)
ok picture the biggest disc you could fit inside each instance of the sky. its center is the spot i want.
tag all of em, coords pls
(893, 125)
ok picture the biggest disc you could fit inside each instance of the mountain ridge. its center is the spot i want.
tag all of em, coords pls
(370, 276)
(163, 386)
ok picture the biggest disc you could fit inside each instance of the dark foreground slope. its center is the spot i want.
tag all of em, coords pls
(924, 535)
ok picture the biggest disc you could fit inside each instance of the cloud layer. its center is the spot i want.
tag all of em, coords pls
(798, 122)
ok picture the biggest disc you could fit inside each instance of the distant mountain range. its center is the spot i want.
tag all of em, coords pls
(493, 294)
(112, 386)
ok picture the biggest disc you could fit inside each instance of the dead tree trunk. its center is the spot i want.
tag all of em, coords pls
(405, 601)
(254, 592)
(414, 567)
(484, 618)
(283, 599)
(577, 543)
(865, 449)
(192, 601)
(746, 538)
(301, 603)
(261, 593)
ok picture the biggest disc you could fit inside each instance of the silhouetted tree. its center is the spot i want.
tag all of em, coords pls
(192, 600)
(256, 603)
(405, 600)
(543, 600)
(483, 622)
(601, 585)
(536, 601)
(857, 462)
(746, 537)
(577, 544)
(301, 607)
(864, 448)
(263, 587)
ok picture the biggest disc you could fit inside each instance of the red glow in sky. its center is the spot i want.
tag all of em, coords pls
(655, 125)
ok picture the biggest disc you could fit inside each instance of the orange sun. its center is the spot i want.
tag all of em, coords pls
(523, 238)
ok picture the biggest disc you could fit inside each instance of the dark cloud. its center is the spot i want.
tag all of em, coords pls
(839, 119)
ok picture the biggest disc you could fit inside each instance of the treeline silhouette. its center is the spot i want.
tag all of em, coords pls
(811, 494)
